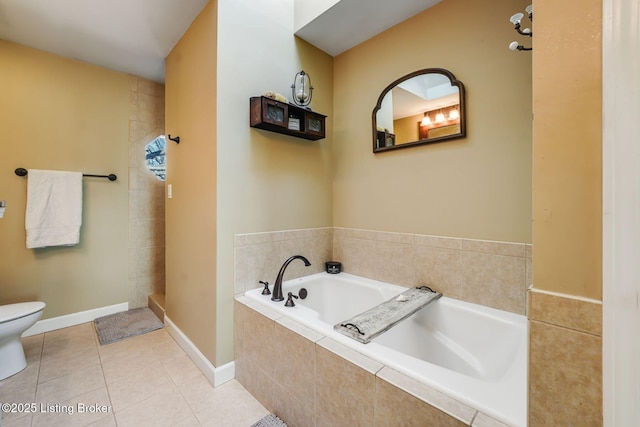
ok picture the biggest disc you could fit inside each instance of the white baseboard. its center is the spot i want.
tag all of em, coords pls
(73, 319)
(216, 376)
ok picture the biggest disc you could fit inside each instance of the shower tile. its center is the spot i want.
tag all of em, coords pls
(343, 392)
(394, 407)
(392, 386)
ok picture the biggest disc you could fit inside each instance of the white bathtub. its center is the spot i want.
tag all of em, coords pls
(474, 354)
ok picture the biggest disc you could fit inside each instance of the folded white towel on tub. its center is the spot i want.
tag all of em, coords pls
(54, 208)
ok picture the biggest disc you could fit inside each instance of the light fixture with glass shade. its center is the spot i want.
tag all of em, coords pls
(454, 114)
(440, 117)
(301, 89)
(516, 20)
(426, 120)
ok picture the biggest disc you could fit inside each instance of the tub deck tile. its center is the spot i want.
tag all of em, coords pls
(433, 397)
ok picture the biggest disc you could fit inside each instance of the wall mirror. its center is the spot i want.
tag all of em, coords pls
(423, 107)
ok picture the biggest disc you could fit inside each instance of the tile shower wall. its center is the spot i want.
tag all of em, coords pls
(490, 273)
(146, 193)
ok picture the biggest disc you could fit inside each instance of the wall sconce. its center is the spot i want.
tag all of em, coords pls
(301, 89)
(454, 114)
(516, 20)
(440, 117)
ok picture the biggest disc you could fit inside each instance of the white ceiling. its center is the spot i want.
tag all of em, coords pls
(131, 36)
(134, 36)
(350, 22)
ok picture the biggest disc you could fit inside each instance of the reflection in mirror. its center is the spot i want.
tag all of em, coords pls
(423, 107)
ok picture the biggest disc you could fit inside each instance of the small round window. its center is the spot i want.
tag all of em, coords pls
(155, 157)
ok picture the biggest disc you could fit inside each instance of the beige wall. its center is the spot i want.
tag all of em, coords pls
(567, 169)
(57, 113)
(266, 181)
(190, 215)
(477, 187)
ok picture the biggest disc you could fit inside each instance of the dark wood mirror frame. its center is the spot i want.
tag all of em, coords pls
(462, 110)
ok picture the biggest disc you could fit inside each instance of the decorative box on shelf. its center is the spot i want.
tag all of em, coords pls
(289, 119)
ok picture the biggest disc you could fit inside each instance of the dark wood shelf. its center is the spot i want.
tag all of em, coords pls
(284, 118)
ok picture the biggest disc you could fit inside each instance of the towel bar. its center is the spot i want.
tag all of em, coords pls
(111, 176)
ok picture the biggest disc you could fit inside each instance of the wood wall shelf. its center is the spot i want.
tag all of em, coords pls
(288, 119)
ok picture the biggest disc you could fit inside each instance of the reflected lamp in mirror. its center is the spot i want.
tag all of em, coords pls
(423, 107)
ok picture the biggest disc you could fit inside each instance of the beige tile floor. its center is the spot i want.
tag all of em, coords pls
(141, 381)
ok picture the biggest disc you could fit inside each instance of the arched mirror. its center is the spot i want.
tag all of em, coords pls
(423, 107)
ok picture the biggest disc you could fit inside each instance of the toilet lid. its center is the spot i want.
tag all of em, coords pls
(21, 309)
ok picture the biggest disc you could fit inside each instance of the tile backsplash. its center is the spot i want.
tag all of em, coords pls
(490, 273)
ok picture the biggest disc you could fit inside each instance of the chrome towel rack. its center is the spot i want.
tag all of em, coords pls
(110, 177)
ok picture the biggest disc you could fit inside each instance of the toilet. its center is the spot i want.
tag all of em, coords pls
(14, 320)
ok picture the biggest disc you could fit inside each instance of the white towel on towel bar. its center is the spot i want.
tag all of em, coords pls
(54, 208)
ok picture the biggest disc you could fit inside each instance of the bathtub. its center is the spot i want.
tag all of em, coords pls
(472, 353)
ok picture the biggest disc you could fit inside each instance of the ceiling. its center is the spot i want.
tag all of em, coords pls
(131, 36)
(134, 36)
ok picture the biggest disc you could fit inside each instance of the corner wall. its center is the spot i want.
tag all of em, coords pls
(62, 114)
(265, 181)
(190, 215)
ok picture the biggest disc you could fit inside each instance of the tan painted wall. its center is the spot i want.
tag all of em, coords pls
(567, 130)
(266, 181)
(478, 187)
(190, 215)
(57, 113)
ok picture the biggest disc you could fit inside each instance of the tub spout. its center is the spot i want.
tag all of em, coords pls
(277, 287)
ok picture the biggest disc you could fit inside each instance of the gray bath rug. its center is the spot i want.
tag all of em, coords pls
(269, 421)
(116, 327)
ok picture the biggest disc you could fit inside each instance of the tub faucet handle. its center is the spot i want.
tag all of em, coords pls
(266, 290)
(290, 302)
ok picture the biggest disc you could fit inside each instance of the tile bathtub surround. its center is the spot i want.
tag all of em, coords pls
(490, 273)
(565, 360)
(311, 380)
(143, 380)
(258, 256)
